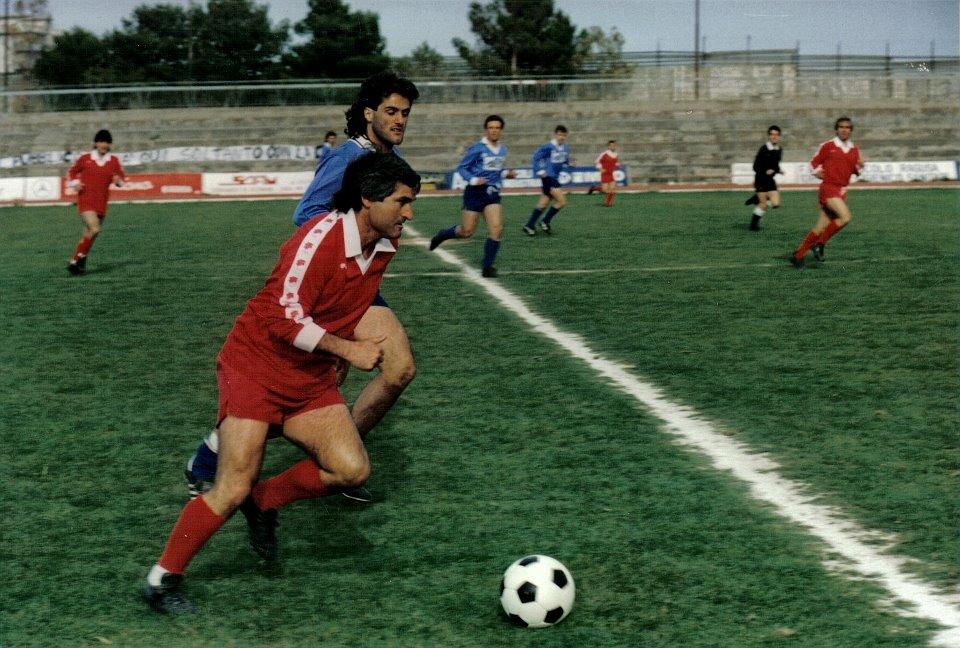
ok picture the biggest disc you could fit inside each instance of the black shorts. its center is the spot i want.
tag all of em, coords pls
(548, 184)
(764, 183)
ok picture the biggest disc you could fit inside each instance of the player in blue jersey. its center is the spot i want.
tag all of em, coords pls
(376, 121)
(482, 168)
(548, 161)
(329, 141)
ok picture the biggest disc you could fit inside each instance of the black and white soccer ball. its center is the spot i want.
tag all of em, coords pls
(537, 591)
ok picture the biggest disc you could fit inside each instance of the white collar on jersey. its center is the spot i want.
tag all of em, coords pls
(555, 143)
(351, 242)
(364, 142)
(490, 146)
(95, 156)
(772, 147)
(843, 146)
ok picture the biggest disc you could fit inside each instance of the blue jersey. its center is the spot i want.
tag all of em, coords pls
(550, 159)
(483, 161)
(323, 150)
(318, 198)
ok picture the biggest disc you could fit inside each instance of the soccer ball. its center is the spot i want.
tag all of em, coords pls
(537, 591)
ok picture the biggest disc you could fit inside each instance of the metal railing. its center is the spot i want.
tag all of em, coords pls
(666, 76)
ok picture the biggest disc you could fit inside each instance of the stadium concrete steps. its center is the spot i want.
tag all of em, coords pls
(660, 141)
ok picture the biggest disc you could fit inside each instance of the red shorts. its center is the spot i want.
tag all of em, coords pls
(606, 176)
(245, 394)
(831, 191)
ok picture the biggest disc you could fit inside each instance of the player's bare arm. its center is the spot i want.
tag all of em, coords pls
(364, 354)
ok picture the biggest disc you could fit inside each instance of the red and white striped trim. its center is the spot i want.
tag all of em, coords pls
(311, 333)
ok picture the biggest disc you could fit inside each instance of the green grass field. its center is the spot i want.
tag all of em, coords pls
(504, 445)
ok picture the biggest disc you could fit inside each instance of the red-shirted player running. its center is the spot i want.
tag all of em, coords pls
(91, 176)
(277, 367)
(607, 162)
(836, 160)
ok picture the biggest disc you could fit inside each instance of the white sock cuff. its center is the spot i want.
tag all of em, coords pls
(213, 440)
(156, 575)
(758, 212)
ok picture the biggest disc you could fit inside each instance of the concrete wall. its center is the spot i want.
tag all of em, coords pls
(677, 140)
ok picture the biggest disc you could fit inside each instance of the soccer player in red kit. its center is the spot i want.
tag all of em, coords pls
(607, 162)
(836, 160)
(91, 176)
(277, 368)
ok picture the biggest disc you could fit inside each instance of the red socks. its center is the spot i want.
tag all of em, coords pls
(808, 242)
(83, 248)
(196, 524)
(831, 229)
(301, 481)
(608, 201)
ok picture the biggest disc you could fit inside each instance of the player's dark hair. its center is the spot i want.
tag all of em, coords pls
(103, 135)
(773, 128)
(329, 133)
(373, 176)
(609, 142)
(496, 118)
(837, 123)
(560, 129)
(372, 92)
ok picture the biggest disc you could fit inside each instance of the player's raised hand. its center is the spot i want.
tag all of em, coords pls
(365, 354)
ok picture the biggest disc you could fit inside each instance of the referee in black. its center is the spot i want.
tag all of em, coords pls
(765, 165)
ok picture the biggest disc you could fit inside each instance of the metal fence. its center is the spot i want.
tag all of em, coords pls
(666, 76)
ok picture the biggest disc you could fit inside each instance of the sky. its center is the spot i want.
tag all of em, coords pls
(819, 26)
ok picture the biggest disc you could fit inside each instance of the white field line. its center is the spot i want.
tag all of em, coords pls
(791, 499)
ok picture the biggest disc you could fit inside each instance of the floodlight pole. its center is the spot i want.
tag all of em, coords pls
(6, 50)
(696, 49)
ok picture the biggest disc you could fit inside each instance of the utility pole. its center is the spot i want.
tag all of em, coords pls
(696, 49)
(6, 51)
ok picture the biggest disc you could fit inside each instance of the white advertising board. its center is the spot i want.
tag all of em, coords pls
(256, 184)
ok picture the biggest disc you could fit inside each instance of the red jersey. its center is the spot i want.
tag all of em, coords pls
(608, 161)
(321, 283)
(96, 173)
(839, 160)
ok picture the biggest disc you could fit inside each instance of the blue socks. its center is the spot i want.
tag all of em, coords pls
(203, 463)
(534, 217)
(490, 248)
(550, 214)
(445, 235)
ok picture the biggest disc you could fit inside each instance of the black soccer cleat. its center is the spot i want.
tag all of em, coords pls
(74, 269)
(490, 272)
(196, 485)
(167, 597)
(435, 242)
(818, 252)
(82, 263)
(795, 262)
(545, 227)
(263, 529)
(358, 494)
(591, 190)
(752, 200)
(755, 223)
(529, 231)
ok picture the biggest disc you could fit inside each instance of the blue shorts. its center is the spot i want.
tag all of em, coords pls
(476, 197)
(549, 184)
(380, 301)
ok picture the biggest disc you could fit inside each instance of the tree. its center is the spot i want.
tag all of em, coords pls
(519, 36)
(229, 40)
(75, 58)
(342, 44)
(155, 44)
(600, 52)
(235, 40)
(424, 61)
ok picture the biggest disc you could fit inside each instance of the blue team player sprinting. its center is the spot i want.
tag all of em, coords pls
(548, 161)
(482, 168)
(376, 121)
